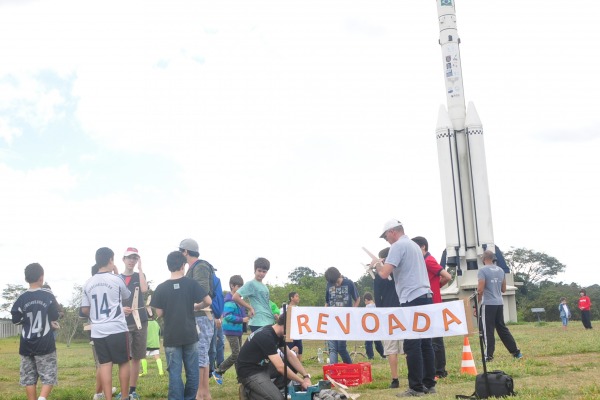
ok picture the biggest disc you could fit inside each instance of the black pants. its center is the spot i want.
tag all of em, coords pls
(420, 358)
(440, 356)
(493, 317)
(586, 319)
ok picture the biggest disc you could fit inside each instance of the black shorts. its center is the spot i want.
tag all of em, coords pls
(112, 348)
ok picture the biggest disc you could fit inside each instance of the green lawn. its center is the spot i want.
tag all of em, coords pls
(557, 365)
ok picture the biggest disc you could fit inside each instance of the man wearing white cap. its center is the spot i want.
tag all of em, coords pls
(137, 337)
(406, 263)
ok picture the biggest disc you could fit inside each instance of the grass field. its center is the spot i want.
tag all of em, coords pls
(557, 364)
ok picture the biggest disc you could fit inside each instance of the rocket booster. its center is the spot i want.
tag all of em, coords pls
(461, 157)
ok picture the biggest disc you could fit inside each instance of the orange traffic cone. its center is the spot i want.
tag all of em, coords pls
(467, 365)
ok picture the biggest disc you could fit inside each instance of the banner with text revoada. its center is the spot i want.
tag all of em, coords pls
(348, 323)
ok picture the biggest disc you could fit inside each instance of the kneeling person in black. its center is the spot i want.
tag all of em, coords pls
(256, 356)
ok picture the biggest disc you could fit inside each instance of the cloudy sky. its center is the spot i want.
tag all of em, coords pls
(288, 130)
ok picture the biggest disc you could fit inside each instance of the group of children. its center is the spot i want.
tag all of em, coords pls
(175, 300)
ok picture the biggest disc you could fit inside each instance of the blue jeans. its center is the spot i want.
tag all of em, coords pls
(186, 356)
(420, 358)
(338, 347)
(369, 348)
(216, 354)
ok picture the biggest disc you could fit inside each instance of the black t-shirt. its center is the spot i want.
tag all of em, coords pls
(384, 292)
(176, 298)
(34, 309)
(133, 281)
(254, 355)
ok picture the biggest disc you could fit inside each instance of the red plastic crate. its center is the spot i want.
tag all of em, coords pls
(349, 374)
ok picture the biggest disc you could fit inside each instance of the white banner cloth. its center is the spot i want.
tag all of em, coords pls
(394, 323)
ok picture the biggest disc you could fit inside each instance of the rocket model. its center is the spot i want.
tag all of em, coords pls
(463, 171)
(461, 155)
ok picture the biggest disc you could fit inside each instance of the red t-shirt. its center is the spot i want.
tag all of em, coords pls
(433, 270)
(584, 303)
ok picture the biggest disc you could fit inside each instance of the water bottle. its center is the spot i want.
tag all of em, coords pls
(320, 355)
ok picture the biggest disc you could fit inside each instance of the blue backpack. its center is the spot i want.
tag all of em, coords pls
(218, 301)
(215, 291)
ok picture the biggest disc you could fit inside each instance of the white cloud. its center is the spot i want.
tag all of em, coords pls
(297, 128)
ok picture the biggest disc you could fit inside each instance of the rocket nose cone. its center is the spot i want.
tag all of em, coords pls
(443, 121)
(472, 118)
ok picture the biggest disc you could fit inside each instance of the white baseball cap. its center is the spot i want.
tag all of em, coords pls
(392, 223)
(130, 251)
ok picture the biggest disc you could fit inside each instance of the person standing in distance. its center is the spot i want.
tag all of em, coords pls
(405, 261)
(490, 286)
(584, 305)
(296, 345)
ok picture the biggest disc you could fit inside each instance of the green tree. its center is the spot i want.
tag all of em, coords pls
(279, 293)
(300, 272)
(71, 325)
(10, 294)
(309, 285)
(364, 284)
(532, 266)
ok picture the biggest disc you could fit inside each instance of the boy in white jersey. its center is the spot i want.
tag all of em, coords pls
(102, 297)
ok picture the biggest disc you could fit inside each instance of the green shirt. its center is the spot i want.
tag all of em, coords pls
(274, 308)
(257, 294)
(153, 339)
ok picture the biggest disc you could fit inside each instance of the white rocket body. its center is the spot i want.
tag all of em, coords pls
(463, 175)
(461, 156)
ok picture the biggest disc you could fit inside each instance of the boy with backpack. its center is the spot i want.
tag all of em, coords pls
(234, 317)
(202, 272)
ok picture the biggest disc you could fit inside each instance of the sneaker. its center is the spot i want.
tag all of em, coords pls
(218, 378)
(99, 396)
(489, 359)
(133, 396)
(410, 393)
(518, 356)
(118, 396)
(395, 384)
(430, 390)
